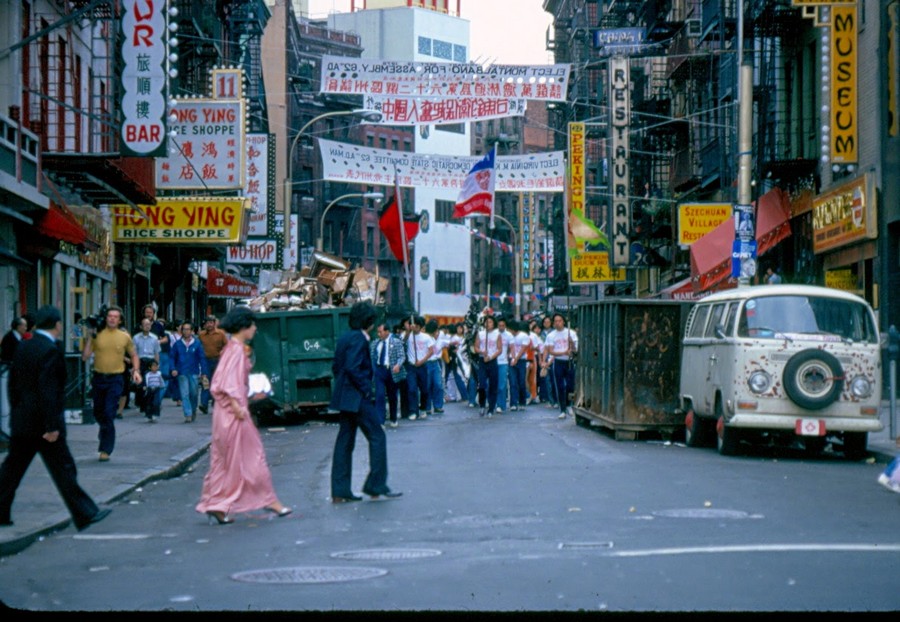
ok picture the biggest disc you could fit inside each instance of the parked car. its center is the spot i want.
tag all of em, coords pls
(782, 361)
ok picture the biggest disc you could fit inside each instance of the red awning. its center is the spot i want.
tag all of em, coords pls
(59, 223)
(711, 254)
(223, 285)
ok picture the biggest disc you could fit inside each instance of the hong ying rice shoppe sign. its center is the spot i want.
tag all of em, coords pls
(205, 220)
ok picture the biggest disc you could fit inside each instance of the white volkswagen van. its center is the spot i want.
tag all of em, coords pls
(791, 361)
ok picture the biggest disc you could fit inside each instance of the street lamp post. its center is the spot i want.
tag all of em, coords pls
(365, 114)
(518, 266)
(362, 195)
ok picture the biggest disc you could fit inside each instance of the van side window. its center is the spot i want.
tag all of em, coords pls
(715, 319)
(698, 324)
(732, 319)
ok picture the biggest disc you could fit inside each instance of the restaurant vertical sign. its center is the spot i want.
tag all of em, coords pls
(144, 81)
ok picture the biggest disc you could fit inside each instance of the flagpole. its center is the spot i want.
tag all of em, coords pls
(403, 236)
(493, 181)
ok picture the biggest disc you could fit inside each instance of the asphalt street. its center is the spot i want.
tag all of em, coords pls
(519, 512)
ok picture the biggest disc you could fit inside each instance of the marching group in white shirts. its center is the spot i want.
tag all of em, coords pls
(507, 365)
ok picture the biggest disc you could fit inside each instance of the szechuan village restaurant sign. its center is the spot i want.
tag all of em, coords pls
(182, 221)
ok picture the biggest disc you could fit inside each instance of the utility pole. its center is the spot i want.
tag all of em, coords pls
(744, 249)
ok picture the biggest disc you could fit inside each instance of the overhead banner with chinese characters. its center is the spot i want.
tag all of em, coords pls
(204, 220)
(537, 172)
(427, 111)
(355, 76)
(209, 146)
(144, 80)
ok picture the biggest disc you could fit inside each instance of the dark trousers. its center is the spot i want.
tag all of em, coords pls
(61, 466)
(205, 395)
(385, 389)
(561, 376)
(517, 388)
(417, 382)
(152, 401)
(106, 389)
(139, 390)
(342, 461)
(492, 373)
(403, 388)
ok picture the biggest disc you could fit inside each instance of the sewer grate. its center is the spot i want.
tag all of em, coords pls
(703, 513)
(308, 574)
(386, 554)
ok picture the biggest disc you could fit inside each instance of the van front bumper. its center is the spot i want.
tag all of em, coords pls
(789, 422)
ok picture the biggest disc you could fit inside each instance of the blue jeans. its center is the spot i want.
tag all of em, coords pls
(491, 373)
(458, 381)
(205, 395)
(561, 376)
(435, 399)
(106, 389)
(472, 389)
(417, 382)
(189, 388)
(502, 385)
(517, 388)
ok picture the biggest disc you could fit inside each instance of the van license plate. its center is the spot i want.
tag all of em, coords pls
(810, 427)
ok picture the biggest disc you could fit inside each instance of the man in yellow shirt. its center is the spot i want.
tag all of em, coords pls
(109, 347)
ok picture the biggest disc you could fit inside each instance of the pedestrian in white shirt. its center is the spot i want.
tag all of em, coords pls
(518, 365)
(434, 403)
(490, 352)
(560, 345)
(419, 348)
(506, 339)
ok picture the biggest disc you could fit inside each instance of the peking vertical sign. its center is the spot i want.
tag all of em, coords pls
(144, 81)
(620, 181)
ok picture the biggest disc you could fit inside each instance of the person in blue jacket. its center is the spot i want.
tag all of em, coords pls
(190, 368)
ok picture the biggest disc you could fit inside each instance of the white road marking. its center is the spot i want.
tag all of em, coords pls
(759, 548)
(113, 536)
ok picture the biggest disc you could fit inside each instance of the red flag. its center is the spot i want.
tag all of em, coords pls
(389, 223)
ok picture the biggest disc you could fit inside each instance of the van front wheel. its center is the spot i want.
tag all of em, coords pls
(727, 438)
(695, 430)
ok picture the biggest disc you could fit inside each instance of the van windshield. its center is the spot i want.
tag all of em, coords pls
(816, 318)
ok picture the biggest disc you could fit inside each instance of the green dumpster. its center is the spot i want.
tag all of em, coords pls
(295, 349)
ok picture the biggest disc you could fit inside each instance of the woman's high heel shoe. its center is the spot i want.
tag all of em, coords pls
(284, 511)
(219, 517)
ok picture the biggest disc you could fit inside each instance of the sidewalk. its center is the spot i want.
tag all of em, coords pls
(146, 452)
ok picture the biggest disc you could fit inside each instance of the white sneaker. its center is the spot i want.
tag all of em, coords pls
(412, 417)
(514, 408)
(885, 481)
(499, 410)
(570, 411)
(562, 415)
(422, 416)
(393, 424)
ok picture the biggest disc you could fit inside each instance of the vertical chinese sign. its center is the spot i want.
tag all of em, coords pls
(144, 82)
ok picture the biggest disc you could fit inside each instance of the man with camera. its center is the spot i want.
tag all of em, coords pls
(109, 345)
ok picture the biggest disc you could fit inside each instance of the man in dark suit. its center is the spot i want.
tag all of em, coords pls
(352, 397)
(37, 397)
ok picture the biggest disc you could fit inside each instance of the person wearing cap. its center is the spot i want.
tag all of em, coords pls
(213, 339)
(37, 391)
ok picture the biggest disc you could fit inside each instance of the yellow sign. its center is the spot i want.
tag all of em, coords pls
(697, 219)
(841, 279)
(594, 268)
(845, 215)
(204, 220)
(844, 123)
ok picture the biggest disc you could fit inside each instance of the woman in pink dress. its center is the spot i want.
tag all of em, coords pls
(238, 479)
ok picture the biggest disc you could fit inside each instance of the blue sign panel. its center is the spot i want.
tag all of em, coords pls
(743, 259)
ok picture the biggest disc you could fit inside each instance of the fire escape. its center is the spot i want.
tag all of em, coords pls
(78, 124)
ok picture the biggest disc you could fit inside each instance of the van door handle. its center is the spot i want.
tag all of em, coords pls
(713, 358)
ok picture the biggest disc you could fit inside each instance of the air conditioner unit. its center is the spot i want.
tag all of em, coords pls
(693, 28)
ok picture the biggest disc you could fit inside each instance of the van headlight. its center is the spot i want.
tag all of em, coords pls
(861, 387)
(759, 381)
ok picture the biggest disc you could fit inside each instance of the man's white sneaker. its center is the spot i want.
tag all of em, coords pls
(412, 417)
(570, 411)
(885, 481)
(393, 424)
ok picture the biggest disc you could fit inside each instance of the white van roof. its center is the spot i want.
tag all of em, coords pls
(754, 291)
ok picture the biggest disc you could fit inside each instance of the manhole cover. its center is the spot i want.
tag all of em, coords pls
(702, 513)
(489, 521)
(308, 574)
(387, 554)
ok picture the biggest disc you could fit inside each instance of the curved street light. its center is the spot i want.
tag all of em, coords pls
(367, 115)
(362, 195)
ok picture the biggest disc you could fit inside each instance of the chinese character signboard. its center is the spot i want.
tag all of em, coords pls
(401, 110)
(205, 220)
(258, 186)
(144, 79)
(209, 147)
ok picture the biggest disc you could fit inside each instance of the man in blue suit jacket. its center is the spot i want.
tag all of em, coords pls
(352, 396)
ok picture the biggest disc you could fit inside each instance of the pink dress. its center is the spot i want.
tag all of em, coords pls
(238, 479)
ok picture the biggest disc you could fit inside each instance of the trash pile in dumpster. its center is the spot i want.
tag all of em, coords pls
(326, 282)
